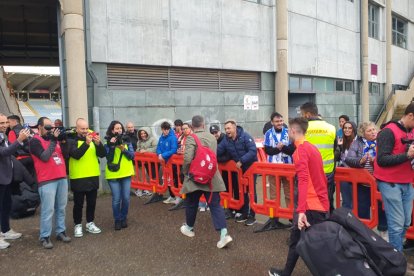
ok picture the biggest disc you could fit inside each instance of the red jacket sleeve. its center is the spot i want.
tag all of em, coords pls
(302, 171)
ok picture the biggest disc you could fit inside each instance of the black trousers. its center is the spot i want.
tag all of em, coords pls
(5, 207)
(314, 217)
(216, 211)
(78, 199)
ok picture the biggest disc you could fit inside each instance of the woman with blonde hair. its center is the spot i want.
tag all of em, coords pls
(362, 154)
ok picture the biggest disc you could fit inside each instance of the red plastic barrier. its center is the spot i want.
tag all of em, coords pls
(261, 155)
(410, 231)
(271, 207)
(177, 160)
(147, 173)
(231, 172)
(358, 177)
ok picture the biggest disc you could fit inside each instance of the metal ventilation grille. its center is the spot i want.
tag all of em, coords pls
(137, 77)
(146, 77)
(188, 78)
(236, 80)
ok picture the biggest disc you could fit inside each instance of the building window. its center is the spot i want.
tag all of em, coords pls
(374, 88)
(300, 84)
(373, 21)
(323, 85)
(399, 32)
(344, 86)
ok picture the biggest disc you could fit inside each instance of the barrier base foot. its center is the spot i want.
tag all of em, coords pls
(272, 224)
(154, 198)
(178, 206)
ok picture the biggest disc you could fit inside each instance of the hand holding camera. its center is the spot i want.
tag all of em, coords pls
(23, 135)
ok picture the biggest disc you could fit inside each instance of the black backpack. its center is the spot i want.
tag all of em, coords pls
(329, 250)
(25, 203)
(388, 260)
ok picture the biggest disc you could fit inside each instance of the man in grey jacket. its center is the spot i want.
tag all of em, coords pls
(194, 190)
(6, 177)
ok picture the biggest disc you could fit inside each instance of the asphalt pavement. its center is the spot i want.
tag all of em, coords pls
(151, 245)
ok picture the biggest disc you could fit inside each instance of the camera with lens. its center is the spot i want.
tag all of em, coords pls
(64, 134)
(121, 138)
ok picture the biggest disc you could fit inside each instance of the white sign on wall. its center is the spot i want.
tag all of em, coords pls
(251, 102)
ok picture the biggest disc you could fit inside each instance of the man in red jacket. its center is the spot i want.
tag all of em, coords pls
(394, 173)
(313, 203)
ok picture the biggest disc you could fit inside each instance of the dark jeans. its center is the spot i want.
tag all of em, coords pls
(5, 207)
(78, 199)
(313, 217)
(217, 212)
(330, 177)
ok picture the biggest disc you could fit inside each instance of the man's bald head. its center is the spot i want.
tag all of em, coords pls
(130, 127)
(82, 127)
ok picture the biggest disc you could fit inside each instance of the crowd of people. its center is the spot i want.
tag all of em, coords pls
(56, 158)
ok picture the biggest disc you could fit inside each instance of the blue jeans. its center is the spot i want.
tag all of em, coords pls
(398, 205)
(346, 193)
(120, 197)
(53, 197)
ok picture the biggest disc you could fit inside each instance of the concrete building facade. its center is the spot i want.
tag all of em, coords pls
(236, 37)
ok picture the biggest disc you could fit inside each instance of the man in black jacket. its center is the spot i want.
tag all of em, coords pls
(132, 134)
(6, 177)
(84, 171)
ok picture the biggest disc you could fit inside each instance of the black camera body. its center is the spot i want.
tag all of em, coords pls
(120, 139)
(64, 134)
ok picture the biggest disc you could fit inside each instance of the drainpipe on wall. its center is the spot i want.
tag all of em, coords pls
(95, 108)
(73, 29)
(364, 61)
(388, 39)
(281, 80)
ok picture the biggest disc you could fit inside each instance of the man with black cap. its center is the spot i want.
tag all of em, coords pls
(215, 130)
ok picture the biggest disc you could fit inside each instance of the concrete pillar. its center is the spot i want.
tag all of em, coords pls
(73, 30)
(388, 39)
(281, 80)
(364, 54)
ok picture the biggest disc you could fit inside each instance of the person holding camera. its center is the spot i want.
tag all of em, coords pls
(118, 172)
(84, 151)
(394, 174)
(50, 168)
(7, 149)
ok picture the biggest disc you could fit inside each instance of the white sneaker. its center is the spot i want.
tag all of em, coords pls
(10, 235)
(92, 228)
(138, 193)
(146, 193)
(185, 230)
(169, 200)
(202, 209)
(78, 232)
(3, 244)
(224, 241)
(384, 235)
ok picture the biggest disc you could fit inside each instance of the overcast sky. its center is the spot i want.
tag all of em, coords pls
(33, 69)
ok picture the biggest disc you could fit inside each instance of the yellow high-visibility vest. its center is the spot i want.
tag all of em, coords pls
(126, 167)
(322, 135)
(86, 166)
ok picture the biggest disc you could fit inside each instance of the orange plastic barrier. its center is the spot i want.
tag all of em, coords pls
(357, 177)
(271, 207)
(231, 173)
(147, 176)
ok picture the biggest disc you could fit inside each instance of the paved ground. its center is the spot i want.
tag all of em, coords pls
(151, 245)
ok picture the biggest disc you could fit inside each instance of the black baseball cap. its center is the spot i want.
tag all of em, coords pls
(214, 129)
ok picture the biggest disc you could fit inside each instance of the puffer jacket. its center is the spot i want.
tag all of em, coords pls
(167, 145)
(149, 145)
(355, 153)
(242, 149)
